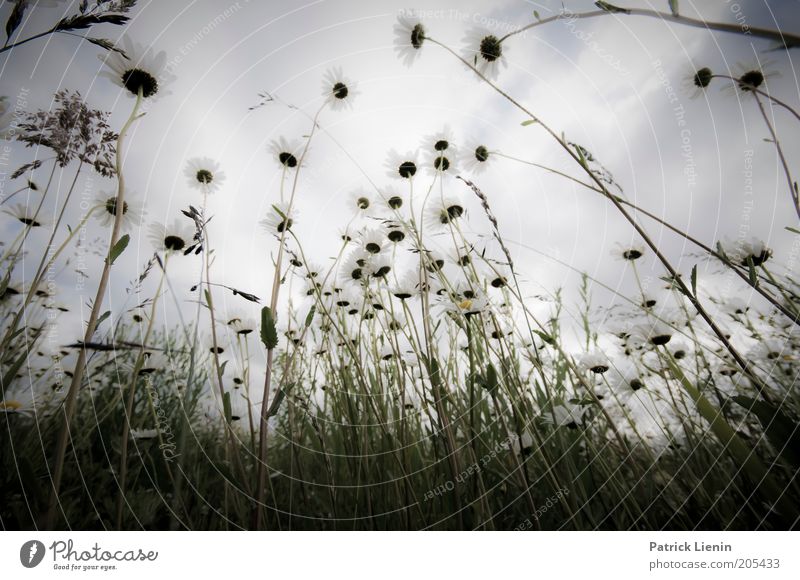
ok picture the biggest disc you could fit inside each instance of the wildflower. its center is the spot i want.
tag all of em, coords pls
(391, 199)
(476, 158)
(240, 324)
(353, 268)
(439, 142)
(173, 238)
(287, 153)
(25, 215)
(141, 71)
(630, 252)
(203, 173)
(748, 251)
(153, 361)
(406, 286)
(280, 219)
(409, 36)
(394, 231)
(625, 379)
(443, 162)
(380, 266)
(338, 90)
(360, 201)
(772, 351)
(444, 210)
(697, 81)
(132, 211)
(435, 261)
(595, 362)
(374, 241)
(401, 166)
(565, 415)
(657, 333)
(485, 52)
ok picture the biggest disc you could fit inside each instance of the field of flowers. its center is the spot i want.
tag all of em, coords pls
(411, 382)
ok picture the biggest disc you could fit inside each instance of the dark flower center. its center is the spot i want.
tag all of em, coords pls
(441, 163)
(490, 48)
(407, 169)
(679, 354)
(396, 236)
(362, 202)
(751, 80)
(757, 260)
(441, 145)
(136, 79)
(631, 254)
(395, 202)
(111, 206)
(285, 224)
(702, 78)
(340, 91)
(287, 159)
(599, 369)
(636, 384)
(451, 213)
(498, 282)
(356, 274)
(204, 176)
(174, 243)
(402, 295)
(660, 339)
(481, 154)
(417, 36)
(29, 221)
(382, 271)
(372, 248)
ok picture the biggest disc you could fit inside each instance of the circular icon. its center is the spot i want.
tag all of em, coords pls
(31, 553)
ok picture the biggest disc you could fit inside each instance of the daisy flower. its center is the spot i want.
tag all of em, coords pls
(353, 268)
(391, 198)
(338, 90)
(565, 415)
(630, 252)
(379, 266)
(203, 173)
(287, 153)
(280, 219)
(407, 286)
(746, 251)
(440, 142)
(132, 211)
(394, 231)
(401, 166)
(374, 241)
(751, 76)
(444, 210)
(359, 200)
(173, 238)
(25, 215)
(140, 71)
(485, 52)
(695, 83)
(476, 158)
(409, 36)
(595, 362)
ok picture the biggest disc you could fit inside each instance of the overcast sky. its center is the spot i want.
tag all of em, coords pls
(611, 84)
